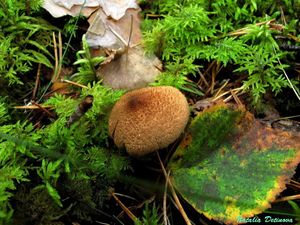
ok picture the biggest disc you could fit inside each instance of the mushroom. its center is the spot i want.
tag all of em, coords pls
(148, 119)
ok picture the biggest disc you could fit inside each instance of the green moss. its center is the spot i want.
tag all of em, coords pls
(57, 155)
(24, 40)
(239, 35)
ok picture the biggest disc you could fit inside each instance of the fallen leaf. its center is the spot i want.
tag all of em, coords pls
(70, 3)
(130, 71)
(233, 166)
(58, 86)
(115, 28)
(117, 8)
(107, 33)
(112, 8)
(59, 8)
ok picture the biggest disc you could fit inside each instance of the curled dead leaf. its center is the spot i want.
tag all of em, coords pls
(114, 34)
(112, 8)
(130, 71)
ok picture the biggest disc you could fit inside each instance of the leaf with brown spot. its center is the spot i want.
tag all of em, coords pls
(234, 166)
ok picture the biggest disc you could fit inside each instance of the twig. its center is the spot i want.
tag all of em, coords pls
(99, 223)
(235, 97)
(117, 35)
(202, 221)
(294, 184)
(130, 31)
(245, 29)
(44, 109)
(56, 58)
(59, 55)
(221, 88)
(288, 198)
(37, 81)
(129, 39)
(166, 221)
(230, 97)
(282, 16)
(296, 39)
(208, 68)
(152, 15)
(215, 72)
(126, 210)
(73, 83)
(290, 83)
(202, 78)
(65, 51)
(147, 201)
(32, 107)
(180, 208)
(236, 90)
(126, 196)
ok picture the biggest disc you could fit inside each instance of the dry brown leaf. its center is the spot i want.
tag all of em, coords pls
(107, 33)
(116, 32)
(126, 67)
(130, 71)
(61, 87)
(61, 8)
(112, 8)
(117, 8)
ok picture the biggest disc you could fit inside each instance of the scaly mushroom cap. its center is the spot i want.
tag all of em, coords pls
(148, 119)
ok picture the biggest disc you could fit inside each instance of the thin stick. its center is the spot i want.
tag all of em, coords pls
(125, 209)
(245, 29)
(180, 208)
(129, 39)
(37, 81)
(212, 85)
(282, 16)
(152, 15)
(227, 92)
(126, 196)
(290, 83)
(73, 83)
(32, 107)
(294, 37)
(230, 97)
(56, 58)
(208, 68)
(221, 88)
(202, 78)
(294, 184)
(214, 75)
(60, 54)
(42, 108)
(65, 51)
(214, 68)
(130, 32)
(117, 35)
(235, 97)
(202, 221)
(288, 198)
(165, 201)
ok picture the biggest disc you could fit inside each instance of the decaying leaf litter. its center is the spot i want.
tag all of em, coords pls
(211, 167)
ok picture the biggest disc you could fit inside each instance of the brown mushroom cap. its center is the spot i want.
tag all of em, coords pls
(148, 119)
